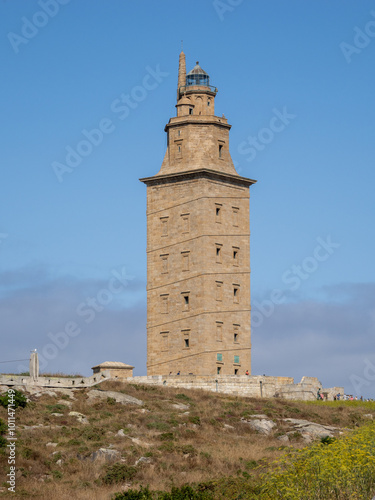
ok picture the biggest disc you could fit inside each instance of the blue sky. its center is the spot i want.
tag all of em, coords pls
(68, 64)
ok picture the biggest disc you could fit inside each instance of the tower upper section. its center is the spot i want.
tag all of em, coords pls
(197, 138)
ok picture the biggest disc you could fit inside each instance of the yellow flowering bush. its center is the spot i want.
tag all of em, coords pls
(344, 469)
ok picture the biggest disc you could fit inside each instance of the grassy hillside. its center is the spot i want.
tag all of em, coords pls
(171, 439)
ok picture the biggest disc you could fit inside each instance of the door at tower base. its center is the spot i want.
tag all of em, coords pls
(198, 246)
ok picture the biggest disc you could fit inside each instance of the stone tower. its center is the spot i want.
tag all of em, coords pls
(198, 243)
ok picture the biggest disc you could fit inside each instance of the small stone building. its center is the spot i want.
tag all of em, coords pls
(115, 368)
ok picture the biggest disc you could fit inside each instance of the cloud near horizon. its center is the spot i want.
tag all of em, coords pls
(331, 338)
(74, 323)
(77, 323)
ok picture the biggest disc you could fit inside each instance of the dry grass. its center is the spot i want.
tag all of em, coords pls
(206, 442)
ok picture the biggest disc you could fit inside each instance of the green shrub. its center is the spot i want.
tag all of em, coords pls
(28, 453)
(118, 473)
(56, 408)
(195, 420)
(142, 494)
(183, 397)
(145, 388)
(93, 433)
(158, 425)
(167, 436)
(344, 469)
(188, 449)
(19, 400)
(3, 427)
(57, 456)
(292, 409)
(184, 493)
(327, 440)
(251, 464)
(167, 447)
(74, 442)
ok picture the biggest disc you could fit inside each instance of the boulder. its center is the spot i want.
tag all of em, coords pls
(105, 455)
(82, 419)
(143, 460)
(119, 397)
(138, 442)
(284, 438)
(180, 406)
(262, 425)
(311, 430)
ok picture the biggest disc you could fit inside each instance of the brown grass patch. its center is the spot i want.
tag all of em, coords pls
(206, 442)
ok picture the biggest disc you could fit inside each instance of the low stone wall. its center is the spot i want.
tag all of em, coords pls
(250, 386)
(63, 382)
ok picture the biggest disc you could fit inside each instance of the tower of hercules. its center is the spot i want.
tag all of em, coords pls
(198, 243)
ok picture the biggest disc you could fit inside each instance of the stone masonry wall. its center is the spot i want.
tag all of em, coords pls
(63, 382)
(245, 386)
(182, 262)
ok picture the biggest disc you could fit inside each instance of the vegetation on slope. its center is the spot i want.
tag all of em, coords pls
(202, 449)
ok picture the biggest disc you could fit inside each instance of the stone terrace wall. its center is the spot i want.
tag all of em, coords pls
(63, 382)
(250, 386)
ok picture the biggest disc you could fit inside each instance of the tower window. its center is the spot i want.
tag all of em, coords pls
(164, 303)
(185, 261)
(208, 103)
(164, 226)
(219, 331)
(179, 133)
(219, 290)
(218, 253)
(178, 148)
(236, 294)
(164, 340)
(218, 370)
(237, 359)
(186, 339)
(220, 150)
(185, 223)
(185, 301)
(219, 357)
(218, 212)
(236, 253)
(236, 334)
(164, 263)
(236, 371)
(235, 216)
(190, 111)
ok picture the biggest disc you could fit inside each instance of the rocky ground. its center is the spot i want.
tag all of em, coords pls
(90, 443)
